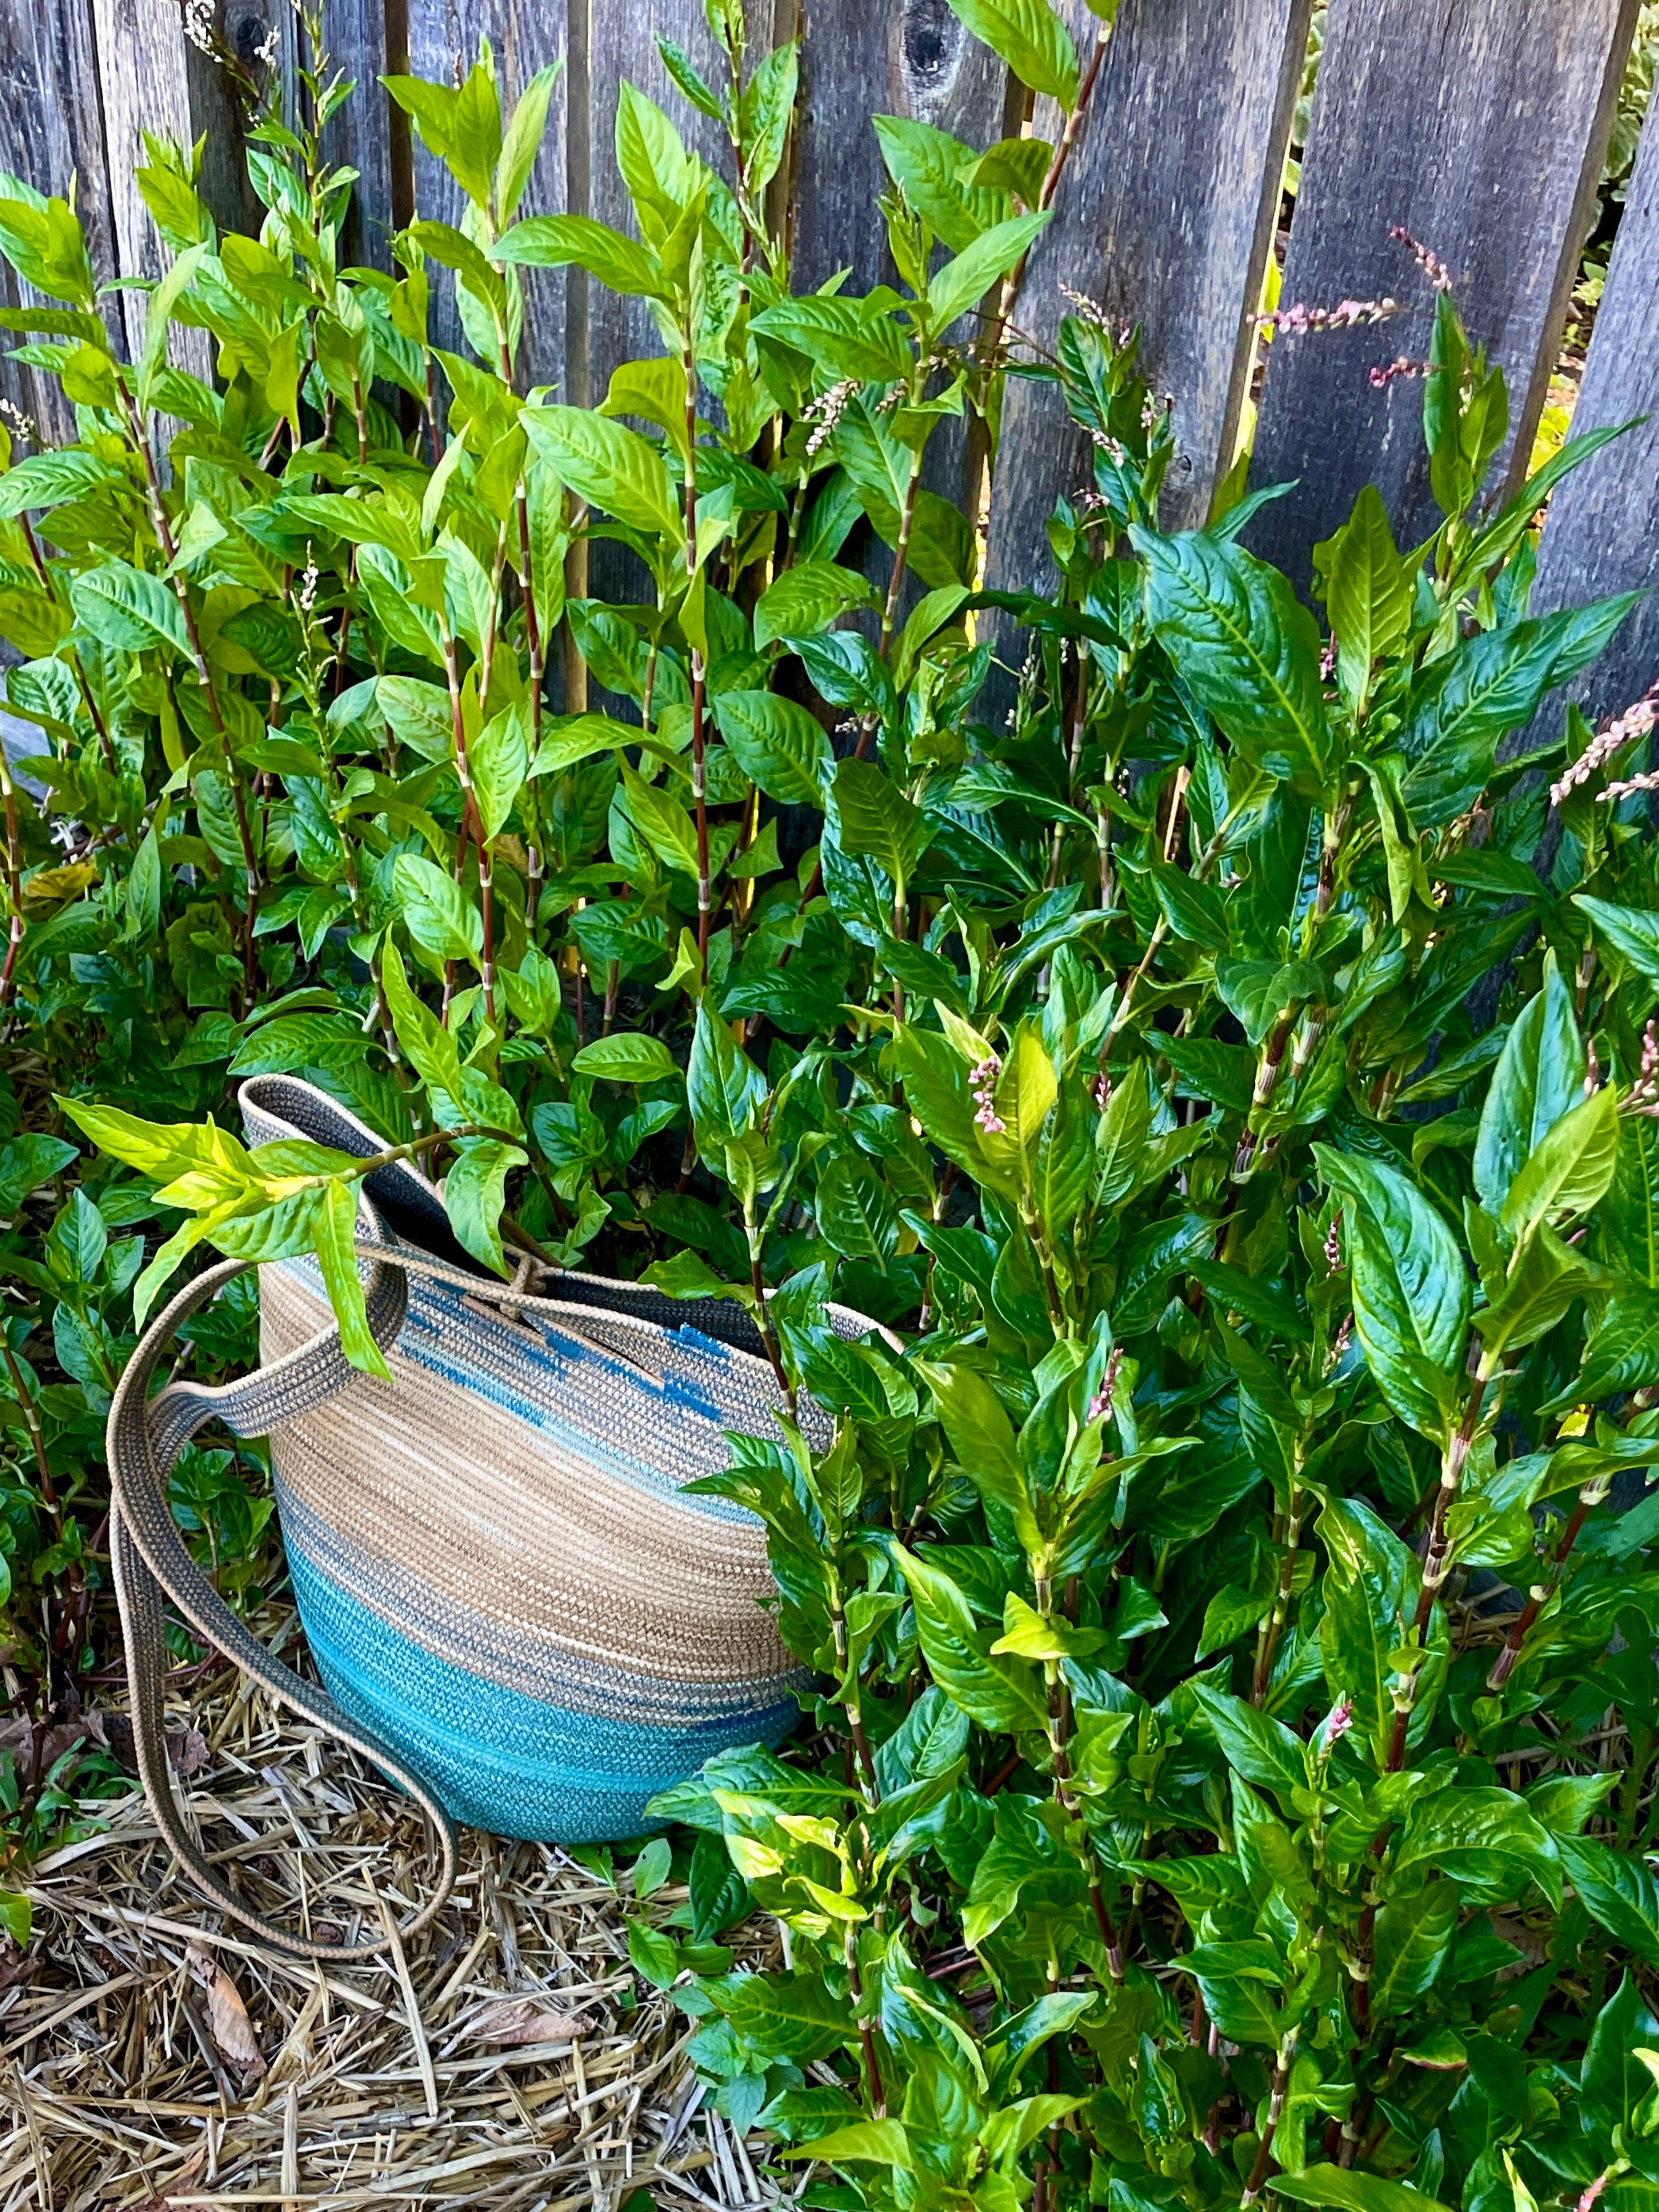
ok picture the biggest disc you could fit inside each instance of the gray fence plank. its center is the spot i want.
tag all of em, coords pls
(144, 73)
(623, 48)
(50, 131)
(153, 79)
(1165, 217)
(368, 39)
(858, 61)
(525, 35)
(1602, 530)
(1480, 126)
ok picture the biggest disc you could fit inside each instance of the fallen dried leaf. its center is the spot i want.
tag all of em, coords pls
(187, 1748)
(18, 1738)
(228, 2020)
(524, 2020)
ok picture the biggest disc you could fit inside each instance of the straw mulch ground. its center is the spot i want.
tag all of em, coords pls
(510, 2060)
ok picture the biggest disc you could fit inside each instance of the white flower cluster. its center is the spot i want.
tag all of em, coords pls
(1635, 721)
(825, 412)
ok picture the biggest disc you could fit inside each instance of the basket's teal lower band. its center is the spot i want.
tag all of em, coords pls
(514, 1765)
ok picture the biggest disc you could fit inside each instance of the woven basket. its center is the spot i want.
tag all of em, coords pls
(517, 1612)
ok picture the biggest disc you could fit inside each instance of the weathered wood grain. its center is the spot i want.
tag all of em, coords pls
(368, 39)
(147, 82)
(1602, 530)
(1480, 126)
(623, 49)
(1165, 217)
(525, 35)
(152, 79)
(913, 59)
(51, 132)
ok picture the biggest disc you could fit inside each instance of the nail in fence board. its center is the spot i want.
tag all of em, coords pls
(1601, 534)
(51, 130)
(1481, 126)
(1165, 216)
(527, 35)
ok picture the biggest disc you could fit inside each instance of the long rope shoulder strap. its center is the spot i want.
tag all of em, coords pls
(151, 1563)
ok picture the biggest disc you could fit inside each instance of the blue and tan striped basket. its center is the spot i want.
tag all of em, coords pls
(496, 1564)
(516, 1610)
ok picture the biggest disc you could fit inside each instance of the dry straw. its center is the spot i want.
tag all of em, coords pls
(508, 2059)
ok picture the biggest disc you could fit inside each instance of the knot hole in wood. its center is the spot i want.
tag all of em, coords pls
(930, 44)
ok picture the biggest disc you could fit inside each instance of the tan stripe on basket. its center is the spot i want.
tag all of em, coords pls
(492, 1514)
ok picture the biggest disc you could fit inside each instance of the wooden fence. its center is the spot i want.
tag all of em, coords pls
(1480, 124)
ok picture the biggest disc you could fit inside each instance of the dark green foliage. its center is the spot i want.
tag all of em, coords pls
(1229, 1761)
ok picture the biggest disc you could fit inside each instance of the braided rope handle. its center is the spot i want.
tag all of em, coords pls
(151, 1562)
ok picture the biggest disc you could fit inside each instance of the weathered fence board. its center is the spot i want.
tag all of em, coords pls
(527, 35)
(1165, 217)
(1481, 126)
(858, 62)
(1602, 530)
(50, 131)
(367, 41)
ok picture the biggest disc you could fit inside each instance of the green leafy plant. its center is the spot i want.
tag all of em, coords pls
(1207, 1043)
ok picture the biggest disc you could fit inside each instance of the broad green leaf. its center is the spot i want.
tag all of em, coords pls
(1368, 595)
(1247, 649)
(1001, 1692)
(627, 1058)
(474, 1193)
(862, 2142)
(1411, 1290)
(780, 747)
(608, 466)
(334, 1220)
(1262, 1749)
(1618, 1889)
(1371, 1592)
(1571, 1167)
(1346, 2190)
(723, 1087)
(522, 142)
(1030, 38)
(498, 760)
(1633, 932)
(804, 600)
(128, 609)
(1540, 1077)
(558, 241)
(962, 282)
(1413, 1937)
(660, 819)
(873, 817)
(436, 913)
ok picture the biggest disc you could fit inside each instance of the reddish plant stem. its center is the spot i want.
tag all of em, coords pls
(470, 806)
(1509, 1658)
(1264, 2149)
